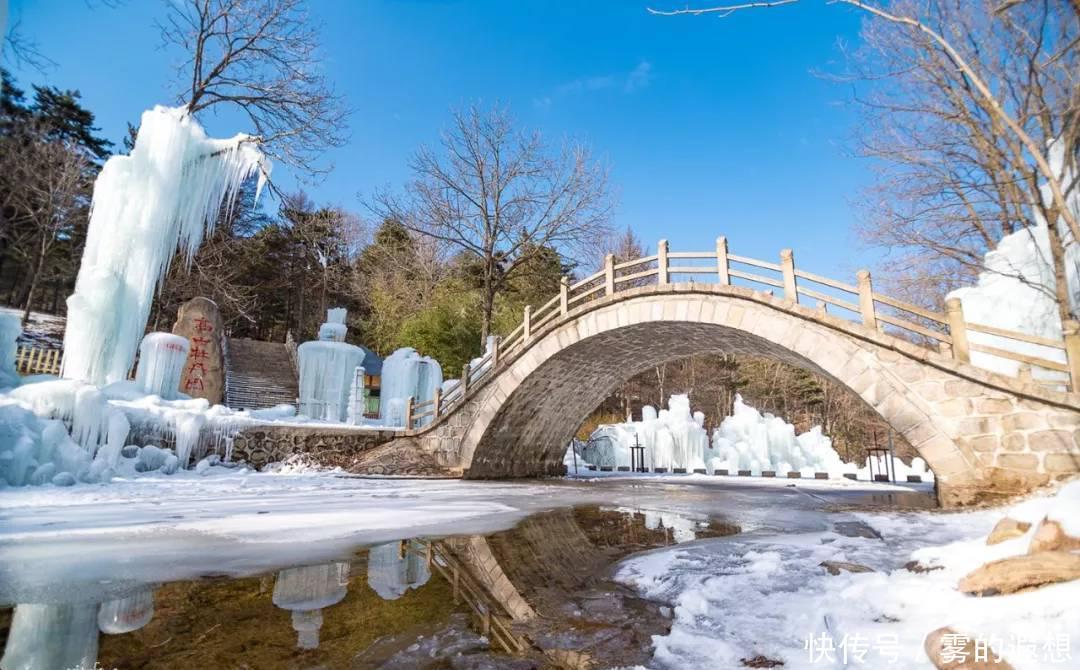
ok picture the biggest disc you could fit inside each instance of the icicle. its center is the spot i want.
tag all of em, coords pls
(126, 615)
(405, 373)
(327, 370)
(166, 194)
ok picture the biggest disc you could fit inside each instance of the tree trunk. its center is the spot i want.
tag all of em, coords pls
(35, 275)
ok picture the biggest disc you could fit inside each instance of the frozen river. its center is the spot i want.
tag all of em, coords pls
(312, 570)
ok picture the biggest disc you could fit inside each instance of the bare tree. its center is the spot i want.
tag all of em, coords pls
(45, 192)
(502, 196)
(260, 57)
(970, 101)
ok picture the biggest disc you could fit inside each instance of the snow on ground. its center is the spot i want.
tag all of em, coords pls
(766, 594)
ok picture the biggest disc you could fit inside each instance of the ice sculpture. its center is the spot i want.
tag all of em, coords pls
(306, 592)
(405, 374)
(162, 196)
(52, 636)
(161, 364)
(327, 371)
(391, 575)
(124, 615)
(334, 330)
(10, 328)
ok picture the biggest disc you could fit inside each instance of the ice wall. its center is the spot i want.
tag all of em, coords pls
(406, 373)
(161, 364)
(1016, 289)
(334, 330)
(10, 328)
(165, 195)
(52, 636)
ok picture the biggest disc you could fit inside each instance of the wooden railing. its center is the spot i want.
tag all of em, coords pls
(945, 331)
(38, 361)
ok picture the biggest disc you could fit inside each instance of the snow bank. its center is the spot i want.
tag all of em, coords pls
(1016, 289)
(767, 594)
(162, 196)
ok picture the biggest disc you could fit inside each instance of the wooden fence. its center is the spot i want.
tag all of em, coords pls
(945, 331)
(38, 361)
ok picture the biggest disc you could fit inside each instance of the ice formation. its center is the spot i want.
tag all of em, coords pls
(749, 440)
(1016, 289)
(306, 591)
(161, 363)
(328, 371)
(161, 197)
(334, 330)
(124, 615)
(406, 374)
(391, 575)
(674, 439)
(52, 636)
(10, 328)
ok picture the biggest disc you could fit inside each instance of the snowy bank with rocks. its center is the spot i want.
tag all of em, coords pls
(835, 598)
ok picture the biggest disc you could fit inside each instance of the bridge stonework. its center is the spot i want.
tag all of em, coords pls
(984, 435)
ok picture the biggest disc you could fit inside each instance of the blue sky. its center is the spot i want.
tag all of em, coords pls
(709, 126)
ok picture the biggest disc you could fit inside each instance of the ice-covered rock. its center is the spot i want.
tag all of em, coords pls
(10, 328)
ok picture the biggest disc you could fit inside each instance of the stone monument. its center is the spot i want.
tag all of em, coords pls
(199, 320)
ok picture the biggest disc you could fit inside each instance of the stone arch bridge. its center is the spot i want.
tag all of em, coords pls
(984, 434)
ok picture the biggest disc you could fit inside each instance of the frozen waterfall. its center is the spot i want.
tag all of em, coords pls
(405, 374)
(328, 372)
(165, 195)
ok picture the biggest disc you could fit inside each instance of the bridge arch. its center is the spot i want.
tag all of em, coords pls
(982, 434)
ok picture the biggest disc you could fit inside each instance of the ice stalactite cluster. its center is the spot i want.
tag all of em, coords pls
(750, 440)
(672, 438)
(405, 374)
(305, 592)
(165, 195)
(161, 364)
(1016, 289)
(747, 440)
(328, 371)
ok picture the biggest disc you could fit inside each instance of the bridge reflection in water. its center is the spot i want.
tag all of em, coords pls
(538, 595)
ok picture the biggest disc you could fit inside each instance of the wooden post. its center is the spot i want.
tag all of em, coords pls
(526, 325)
(430, 554)
(661, 263)
(1071, 331)
(958, 330)
(722, 261)
(464, 380)
(438, 401)
(457, 590)
(787, 266)
(866, 299)
(1024, 376)
(403, 548)
(822, 308)
(408, 413)
(495, 352)
(609, 274)
(564, 295)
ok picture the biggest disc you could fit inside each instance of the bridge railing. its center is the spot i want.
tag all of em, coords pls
(946, 332)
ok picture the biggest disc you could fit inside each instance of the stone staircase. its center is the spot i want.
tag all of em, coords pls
(258, 374)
